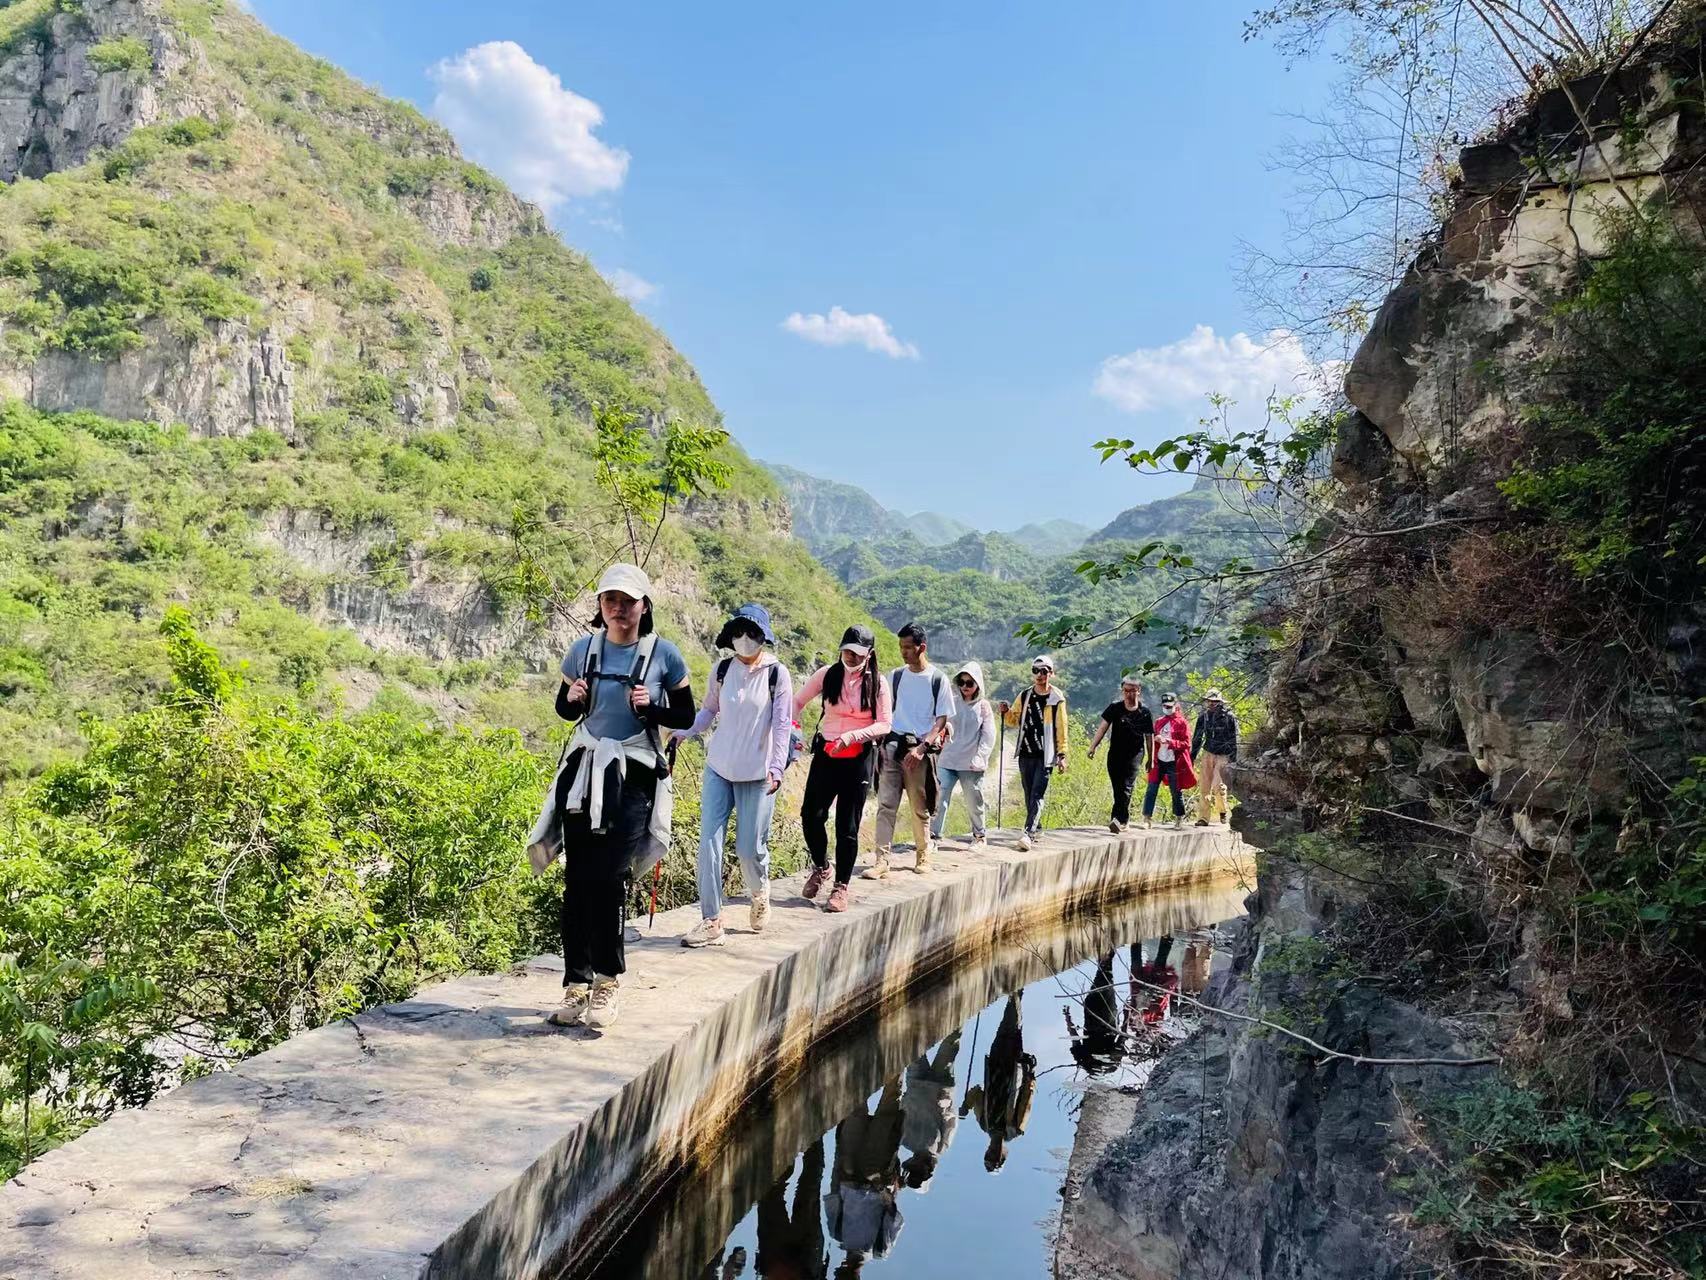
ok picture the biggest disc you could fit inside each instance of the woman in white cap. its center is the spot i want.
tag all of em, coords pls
(621, 684)
(857, 710)
(750, 698)
(966, 756)
(1040, 717)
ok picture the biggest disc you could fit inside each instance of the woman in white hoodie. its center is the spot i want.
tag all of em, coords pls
(966, 756)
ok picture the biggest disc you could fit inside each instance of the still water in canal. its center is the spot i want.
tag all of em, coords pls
(935, 1138)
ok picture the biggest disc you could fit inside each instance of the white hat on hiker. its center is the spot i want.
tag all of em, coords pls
(629, 579)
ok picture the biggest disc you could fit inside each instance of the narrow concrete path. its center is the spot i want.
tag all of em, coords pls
(459, 1134)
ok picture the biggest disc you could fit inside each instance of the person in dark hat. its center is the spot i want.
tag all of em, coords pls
(751, 701)
(857, 709)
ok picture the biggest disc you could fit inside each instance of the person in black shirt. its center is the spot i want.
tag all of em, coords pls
(1133, 730)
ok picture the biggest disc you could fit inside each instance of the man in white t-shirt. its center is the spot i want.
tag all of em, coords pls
(923, 702)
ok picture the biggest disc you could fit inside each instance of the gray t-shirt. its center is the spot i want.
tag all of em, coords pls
(611, 716)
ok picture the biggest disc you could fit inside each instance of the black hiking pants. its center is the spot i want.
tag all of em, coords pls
(845, 784)
(1122, 776)
(596, 875)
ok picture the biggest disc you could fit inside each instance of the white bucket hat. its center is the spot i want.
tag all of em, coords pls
(629, 579)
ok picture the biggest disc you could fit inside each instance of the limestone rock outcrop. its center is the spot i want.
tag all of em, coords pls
(1390, 681)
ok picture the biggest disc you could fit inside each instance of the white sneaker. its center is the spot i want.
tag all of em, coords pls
(979, 844)
(573, 1009)
(601, 1009)
(1179, 823)
(1148, 824)
(758, 915)
(707, 933)
(1025, 843)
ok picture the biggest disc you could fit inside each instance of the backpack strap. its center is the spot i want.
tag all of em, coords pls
(894, 687)
(775, 674)
(589, 669)
(723, 671)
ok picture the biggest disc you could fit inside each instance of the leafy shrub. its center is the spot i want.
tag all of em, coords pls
(123, 53)
(1619, 465)
(241, 867)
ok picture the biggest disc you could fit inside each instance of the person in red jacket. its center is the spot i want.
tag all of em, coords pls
(1170, 762)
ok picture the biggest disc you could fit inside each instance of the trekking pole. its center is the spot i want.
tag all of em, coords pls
(971, 1062)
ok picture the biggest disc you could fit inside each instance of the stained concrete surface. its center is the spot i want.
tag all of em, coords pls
(459, 1134)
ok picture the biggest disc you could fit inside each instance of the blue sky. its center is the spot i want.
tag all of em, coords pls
(1042, 206)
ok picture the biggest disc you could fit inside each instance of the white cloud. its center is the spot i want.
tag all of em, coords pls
(843, 329)
(633, 287)
(1181, 373)
(515, 117)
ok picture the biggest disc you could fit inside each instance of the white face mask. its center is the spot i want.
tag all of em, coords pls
(747, 647)
(852, 662)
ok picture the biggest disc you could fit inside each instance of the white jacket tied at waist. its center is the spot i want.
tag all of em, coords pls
(586, 795)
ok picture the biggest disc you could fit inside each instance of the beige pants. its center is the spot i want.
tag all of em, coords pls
(892, 783)
(1211, 787)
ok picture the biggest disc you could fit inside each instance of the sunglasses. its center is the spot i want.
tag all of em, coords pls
(966, 684)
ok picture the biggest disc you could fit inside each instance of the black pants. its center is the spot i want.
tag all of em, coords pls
(1122, 775)
(1034, 776)
(596, 869)
(1165, 771)
(845, 784)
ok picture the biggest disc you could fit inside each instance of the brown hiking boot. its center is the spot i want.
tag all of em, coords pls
(879, 869)
(922, 864)
(837, 899)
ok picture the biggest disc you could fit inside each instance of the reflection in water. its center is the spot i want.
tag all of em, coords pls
(801, 1205)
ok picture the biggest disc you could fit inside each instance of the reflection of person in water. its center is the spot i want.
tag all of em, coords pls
(791, 1247)
(930, 1119)
(733, 1269)
(1198, 960)
(862, 1212)
(1097, 1048)
(1003, 1101)
(1152, 987)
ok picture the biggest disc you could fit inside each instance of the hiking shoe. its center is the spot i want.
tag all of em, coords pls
(922, 864)
(1148, 823)
(707, 933)
(979, 844)
(814, 883)
(1178, 824)
(1115, 827)
(758, 914)
(1202, 822)
(573, 1009)
(1025, 843)
(878, 870)
(837, 899)
(601, 1009)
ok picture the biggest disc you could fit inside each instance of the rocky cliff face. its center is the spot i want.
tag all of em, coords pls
(61, 100)
(1488, 720)
(1249, 1156)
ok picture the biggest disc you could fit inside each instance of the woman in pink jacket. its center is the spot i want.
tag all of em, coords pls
(856, 714)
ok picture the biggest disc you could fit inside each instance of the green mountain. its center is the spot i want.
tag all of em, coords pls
(271, 349)
(973, 594)
(828, 513)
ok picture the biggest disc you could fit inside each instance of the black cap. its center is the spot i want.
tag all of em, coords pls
(857, 637)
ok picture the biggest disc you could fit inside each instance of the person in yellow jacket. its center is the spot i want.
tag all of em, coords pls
(1040, 717)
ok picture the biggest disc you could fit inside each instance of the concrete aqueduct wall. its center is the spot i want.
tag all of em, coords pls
(458, 1135)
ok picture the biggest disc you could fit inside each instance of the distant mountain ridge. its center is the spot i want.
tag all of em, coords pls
(828, 511)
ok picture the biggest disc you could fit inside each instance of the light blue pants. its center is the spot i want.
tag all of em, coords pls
(752, 809)
(969, 781)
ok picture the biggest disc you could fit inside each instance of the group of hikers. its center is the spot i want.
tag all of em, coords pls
(911, 733)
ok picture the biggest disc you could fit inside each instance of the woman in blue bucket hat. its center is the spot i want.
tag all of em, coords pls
(751, 701)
